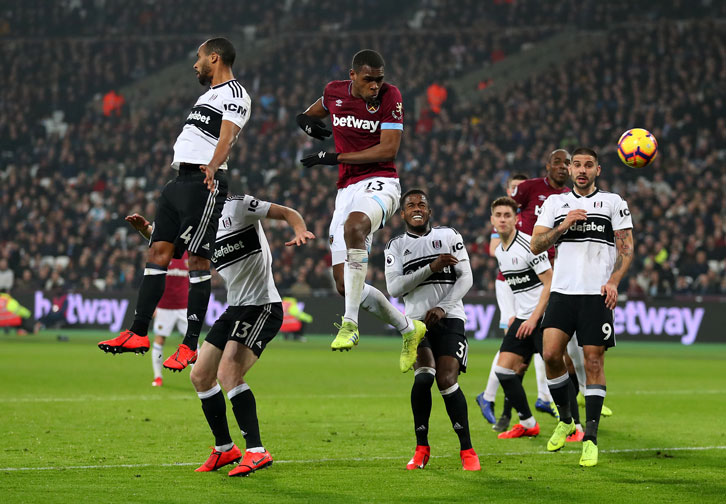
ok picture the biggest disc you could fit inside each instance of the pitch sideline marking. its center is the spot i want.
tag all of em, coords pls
(356, 459)
(191, 396)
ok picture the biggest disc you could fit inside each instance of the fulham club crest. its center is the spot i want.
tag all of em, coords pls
(436, 244)
(597, 204)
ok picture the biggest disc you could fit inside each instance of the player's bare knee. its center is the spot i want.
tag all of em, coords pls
(201, 379)
(593, 366)
(159, 255)
(355, 232)
(445, 379)
(553, 358)
(198, 263)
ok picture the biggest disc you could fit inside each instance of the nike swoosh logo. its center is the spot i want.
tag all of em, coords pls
(255, 462)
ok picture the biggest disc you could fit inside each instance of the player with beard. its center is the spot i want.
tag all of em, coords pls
(189, 207)
(367, 118)
(593, 233)
(430, 269)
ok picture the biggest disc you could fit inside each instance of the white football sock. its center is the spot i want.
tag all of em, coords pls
(490, 393)
(373, 301)
(528, 423)
(578, 360)
(356, 267)
(157, 359)
(543, 391)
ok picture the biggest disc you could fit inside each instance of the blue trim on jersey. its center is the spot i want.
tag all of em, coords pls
(495, 235)
(393, 126)
(383, 207)
(503, 325)
(322, 102)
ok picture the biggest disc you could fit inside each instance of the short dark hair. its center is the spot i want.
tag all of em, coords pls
(505, 201)
(587, 151)
(223, 48)
(367, 57)
(411, 192)
(516, 176)
(549, 159)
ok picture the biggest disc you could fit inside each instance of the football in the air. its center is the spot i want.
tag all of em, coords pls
(637, 148)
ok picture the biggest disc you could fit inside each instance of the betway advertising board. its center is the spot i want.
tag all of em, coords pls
(648, 320)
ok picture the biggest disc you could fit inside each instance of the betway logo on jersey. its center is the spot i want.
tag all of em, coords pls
(353, 122)
(195, 115)
(587, 226)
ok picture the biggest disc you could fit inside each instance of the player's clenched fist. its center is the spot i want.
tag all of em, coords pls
(573, 216)
(320, 158)
(443, 261)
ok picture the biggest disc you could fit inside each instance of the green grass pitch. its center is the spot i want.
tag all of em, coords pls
(79, 426)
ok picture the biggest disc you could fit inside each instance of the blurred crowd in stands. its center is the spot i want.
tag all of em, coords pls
(70, 173)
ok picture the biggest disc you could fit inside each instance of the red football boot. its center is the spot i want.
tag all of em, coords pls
(470, 460)
(252, 462)
(220, 459)
(127, 341)
(420, 458)
(181, 358)
(519, 430)
(576, 436)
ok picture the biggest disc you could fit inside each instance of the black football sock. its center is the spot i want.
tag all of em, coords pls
(458, 414)
(506, 404)
(594, 397)
(215, 410)
(200, 287)
(421, 403)
(560, 390)
(245, 411)
(574, 380)
(513, 390)
(150, 292)
(574, 407)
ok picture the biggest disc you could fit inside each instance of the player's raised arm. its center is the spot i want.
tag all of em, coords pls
(296, 222)
(140, 224)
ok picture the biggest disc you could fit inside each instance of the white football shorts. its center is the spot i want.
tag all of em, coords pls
(377, 197)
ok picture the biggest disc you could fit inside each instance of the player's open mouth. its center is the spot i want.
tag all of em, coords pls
(581, 179)
(417, 217)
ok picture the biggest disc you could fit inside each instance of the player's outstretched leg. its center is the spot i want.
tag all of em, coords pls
(412, 331)
(421, 407)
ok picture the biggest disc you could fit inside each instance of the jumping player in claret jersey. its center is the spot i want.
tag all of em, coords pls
(367, 118)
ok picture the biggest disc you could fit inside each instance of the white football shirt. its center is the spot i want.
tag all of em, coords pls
(521, 270)
(228, 101)
(586, 252)
(242, 255)
(408, 253)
